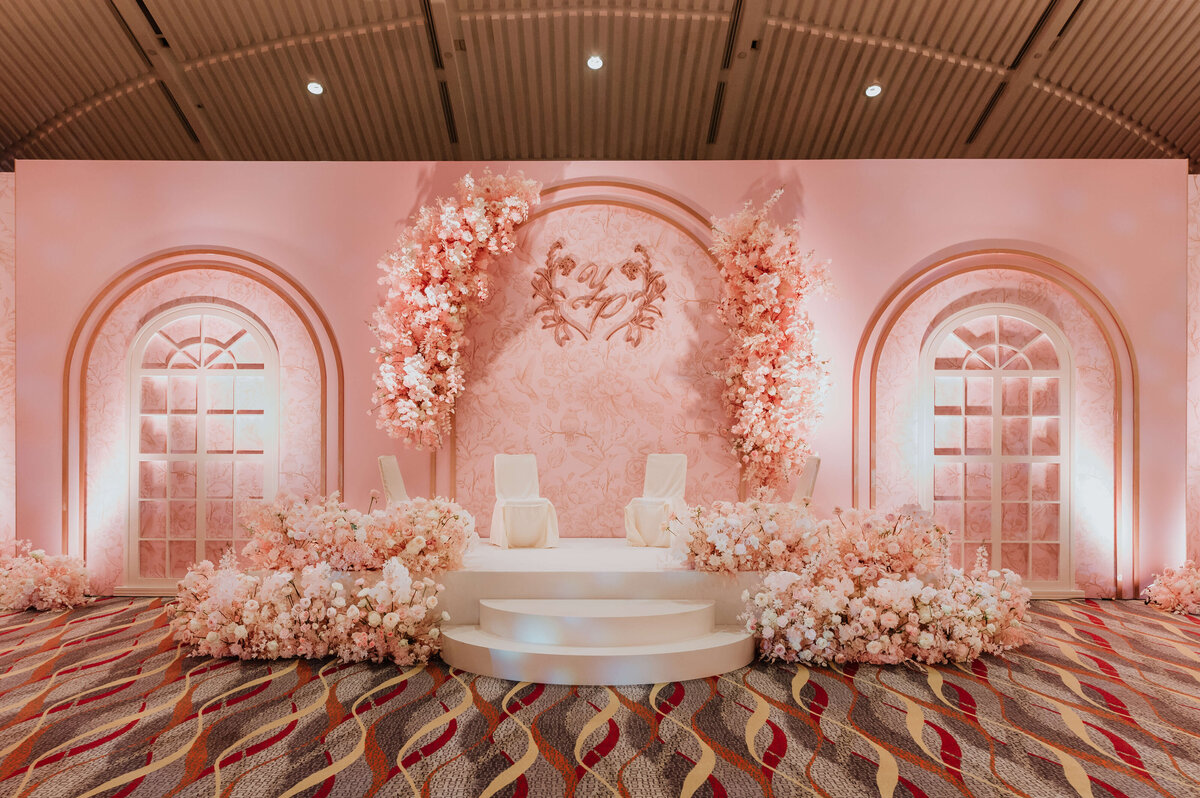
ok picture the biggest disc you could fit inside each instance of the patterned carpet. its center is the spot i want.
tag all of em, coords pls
(98, 701)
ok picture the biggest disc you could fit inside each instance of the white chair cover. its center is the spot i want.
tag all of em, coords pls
(807, 480)
(393, 481)
(662, 494)
(521, 517)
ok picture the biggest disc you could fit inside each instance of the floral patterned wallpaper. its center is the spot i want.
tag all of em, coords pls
(597, 380)
(8, 355)
(1193, 369)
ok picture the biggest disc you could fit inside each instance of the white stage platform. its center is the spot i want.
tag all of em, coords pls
(592, 611)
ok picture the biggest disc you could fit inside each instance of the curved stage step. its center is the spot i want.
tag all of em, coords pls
(596, 622)
(473, 649)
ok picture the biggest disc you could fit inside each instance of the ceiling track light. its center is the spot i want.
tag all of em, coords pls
(873, 90)
(594, 62)
(315, 88)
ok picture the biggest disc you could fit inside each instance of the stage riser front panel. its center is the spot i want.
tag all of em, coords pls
(464, 589)
(596, 622)
(721, 651)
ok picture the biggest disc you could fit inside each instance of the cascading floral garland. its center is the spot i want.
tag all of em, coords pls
(775, 384)
(436, 276)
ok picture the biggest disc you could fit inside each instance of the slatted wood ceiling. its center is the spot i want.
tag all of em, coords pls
(506, 79)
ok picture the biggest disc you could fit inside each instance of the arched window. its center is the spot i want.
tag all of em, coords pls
(204, 388)
(995, 444)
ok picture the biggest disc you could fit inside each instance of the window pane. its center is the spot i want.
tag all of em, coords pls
(1014, 521)
(1015, 557)
(154, 394)
(1045, 436)
(1044, 521)
(1016, 436)
(948, 482)
(1014, 483)
(1045, 561)
(1045, 396)
(1016, 396)
(153, 438)
(183, 393)
(152, 519)
(1045, 479)
(948, 435)
(183, 479)
(979, 481)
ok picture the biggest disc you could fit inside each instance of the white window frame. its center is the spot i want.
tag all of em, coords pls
(132, 583)
(1064, 587)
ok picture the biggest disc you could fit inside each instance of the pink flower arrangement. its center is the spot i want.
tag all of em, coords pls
(436, 276)
(775, 384)
(859, 587)
(753, 535)
(429, 536)
(1176, 590)
(30, 578)
(313, 612)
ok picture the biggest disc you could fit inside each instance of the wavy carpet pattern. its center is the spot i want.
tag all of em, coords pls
(99, 701)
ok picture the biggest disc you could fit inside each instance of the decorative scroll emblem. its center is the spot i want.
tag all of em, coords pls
(587, 302)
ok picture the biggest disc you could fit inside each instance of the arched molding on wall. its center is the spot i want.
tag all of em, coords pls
(166, 279)
(591, 192)
(1028, 271)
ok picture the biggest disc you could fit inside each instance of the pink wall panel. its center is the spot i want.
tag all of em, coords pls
(593, 407)
(8, 356)
(1193, 368)
(1118, 223)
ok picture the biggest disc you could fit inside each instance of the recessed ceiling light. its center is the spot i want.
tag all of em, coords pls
(595, 62)
(874, 90)
(315, 88)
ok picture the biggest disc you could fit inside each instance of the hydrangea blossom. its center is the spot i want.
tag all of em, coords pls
(312, 612)
(858, 587)
(1176, 590)
(436, 276)
(428, 536)
(30, 578)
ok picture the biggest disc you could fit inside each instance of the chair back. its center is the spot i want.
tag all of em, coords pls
(516, 476)
(393, 481)
(666, 475)
(807, 480)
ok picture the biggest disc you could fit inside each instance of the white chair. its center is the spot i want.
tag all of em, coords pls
(662, 494)
(807, 480)
(521, 518)
(393, 480)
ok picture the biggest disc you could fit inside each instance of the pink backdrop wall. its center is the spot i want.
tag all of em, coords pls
(8, 356)
(1119, 223)
(1193, 368)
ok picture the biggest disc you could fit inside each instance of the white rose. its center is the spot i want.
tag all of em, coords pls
(374, 619)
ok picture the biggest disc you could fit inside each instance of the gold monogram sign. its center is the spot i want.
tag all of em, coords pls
(587, 305)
